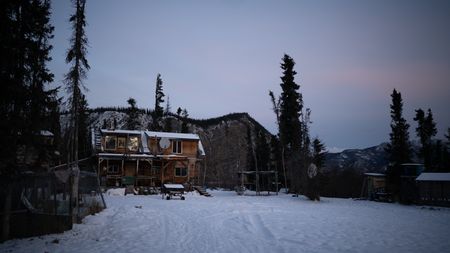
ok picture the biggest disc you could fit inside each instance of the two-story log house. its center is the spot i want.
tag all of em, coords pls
(146, 158)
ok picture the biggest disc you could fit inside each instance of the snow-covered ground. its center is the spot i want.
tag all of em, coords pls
(231, 223)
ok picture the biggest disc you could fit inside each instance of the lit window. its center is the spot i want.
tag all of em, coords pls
(176, 147)
(121, 142)
(133, 143)
(181, 172)
(110, 142)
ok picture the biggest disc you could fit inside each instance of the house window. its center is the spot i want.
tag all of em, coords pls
(121, 142)
(181, 172)
(111, 142)
(113, 168)
(133, 143)
(176, 147)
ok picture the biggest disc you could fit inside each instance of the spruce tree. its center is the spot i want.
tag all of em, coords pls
(76, 57)
(293, 127)
(425, 130)
(24, 103)
(184, 124)
(398, 150)
(158, 112)
(38, 55)
(318, 153)
(133, 115)
(291, 105)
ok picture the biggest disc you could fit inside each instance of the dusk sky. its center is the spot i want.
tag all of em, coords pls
(218, 57)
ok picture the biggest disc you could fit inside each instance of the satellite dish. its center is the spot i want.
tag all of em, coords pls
(312, 170)
(164, 143)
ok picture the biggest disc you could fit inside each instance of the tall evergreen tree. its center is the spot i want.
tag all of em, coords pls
(133, 115)
(158, 111)
(399, 149)
(76, 57)
(318, 153)
(184, 124)
(293, 127)
(24, 103)
(40, 98)
(425, 130)
(291, 105)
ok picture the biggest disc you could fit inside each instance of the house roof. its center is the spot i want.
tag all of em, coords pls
(144, 143)
(151, 134)
(120, 131)
(174, 186)
(201, 150)
(434, 177)
(170, 135)
(374, 174)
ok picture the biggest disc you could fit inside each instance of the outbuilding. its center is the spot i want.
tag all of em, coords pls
(434, 188)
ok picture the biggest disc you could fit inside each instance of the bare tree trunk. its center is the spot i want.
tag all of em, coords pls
(6, 213)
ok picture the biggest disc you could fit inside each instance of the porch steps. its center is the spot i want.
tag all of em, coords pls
(202, 191)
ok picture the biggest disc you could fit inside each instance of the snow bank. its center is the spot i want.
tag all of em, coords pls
(231, 223)
(116, 192)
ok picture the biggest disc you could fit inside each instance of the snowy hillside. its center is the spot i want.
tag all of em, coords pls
(373, 159)
(231, 223)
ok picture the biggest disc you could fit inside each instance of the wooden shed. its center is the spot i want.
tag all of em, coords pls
(434, 188)
(374, 186)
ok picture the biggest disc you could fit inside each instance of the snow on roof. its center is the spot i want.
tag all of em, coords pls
(144, 143)
(119, 131)
(46, 133)
(174, 186)
(201, 150)
(434, 177)
(172, 135)
(374, 174)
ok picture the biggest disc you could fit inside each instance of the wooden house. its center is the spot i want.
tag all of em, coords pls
(434, 188)
(146, 158)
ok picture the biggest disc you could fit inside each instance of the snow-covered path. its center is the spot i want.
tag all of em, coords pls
(231, 223)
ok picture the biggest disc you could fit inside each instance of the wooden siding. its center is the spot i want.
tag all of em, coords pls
(189, 147)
